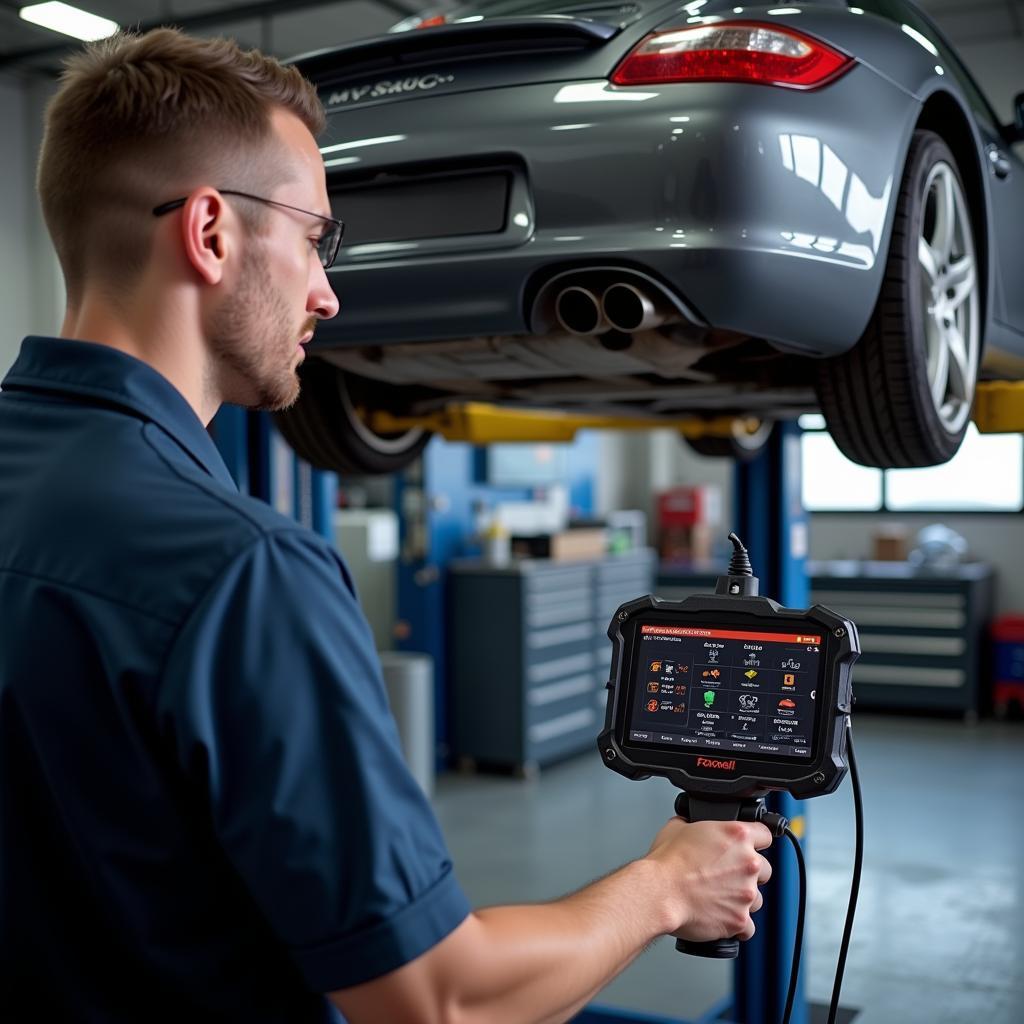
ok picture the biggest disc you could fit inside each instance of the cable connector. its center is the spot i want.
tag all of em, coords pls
(776, 823)
(739, 580)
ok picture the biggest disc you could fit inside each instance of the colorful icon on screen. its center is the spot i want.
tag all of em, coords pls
(655, 666)
(750, 673)
(652, 705)
(787, 705)
(653, 687)
(789, 680)
(709, 698)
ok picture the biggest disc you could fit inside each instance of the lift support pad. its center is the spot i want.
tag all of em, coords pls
(999, 407)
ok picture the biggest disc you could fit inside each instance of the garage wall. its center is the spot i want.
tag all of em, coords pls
(998, 67)
(659, 460)
(15, 277)
(31, 288)
(992, 538)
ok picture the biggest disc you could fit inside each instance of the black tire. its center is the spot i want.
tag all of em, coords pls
(876, 398)
(742, 445)
(324, 426)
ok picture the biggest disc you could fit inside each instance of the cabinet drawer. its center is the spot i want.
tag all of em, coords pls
(545, 600)
(580, 717)
(570, 578)
(908, 675)
(555, 668)
(546, 694)
(558, 636)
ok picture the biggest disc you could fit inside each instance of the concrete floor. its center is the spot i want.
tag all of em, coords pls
(939, 937)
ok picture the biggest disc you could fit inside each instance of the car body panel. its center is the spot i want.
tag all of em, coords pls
(707, 185)
(767, 211)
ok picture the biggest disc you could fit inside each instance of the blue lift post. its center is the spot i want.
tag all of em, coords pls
(770, 519)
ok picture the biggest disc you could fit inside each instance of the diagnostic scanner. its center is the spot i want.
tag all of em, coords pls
(730, 696)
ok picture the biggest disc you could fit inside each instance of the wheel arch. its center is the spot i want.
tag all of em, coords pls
(945, 115)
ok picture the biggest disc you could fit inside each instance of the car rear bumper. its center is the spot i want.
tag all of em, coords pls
(767, 211)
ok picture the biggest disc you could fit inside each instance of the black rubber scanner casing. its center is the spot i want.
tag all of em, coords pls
(750, 777)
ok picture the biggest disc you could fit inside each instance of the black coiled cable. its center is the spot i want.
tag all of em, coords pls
(851, 910)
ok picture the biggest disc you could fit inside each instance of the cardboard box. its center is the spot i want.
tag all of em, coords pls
(687, 543)
(584, 544)
(890, 542)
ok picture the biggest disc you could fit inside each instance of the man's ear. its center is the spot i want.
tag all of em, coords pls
(207, 233)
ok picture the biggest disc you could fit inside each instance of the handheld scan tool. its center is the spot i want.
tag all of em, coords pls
(730, 696)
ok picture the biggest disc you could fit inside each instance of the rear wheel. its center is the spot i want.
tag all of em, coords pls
(901, 397)
(745, 442)
(328, 426)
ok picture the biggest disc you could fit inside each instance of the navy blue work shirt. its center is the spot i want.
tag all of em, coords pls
(204, 812)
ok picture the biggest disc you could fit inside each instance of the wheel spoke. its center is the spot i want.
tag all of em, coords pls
(940, 371)
(960, 374)
(944, 241)
(961, 280)
(926, 257)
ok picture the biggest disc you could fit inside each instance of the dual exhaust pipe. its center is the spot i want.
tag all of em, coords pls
(621, 307)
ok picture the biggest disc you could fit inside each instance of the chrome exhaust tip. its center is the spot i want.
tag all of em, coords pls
(626, 308)
(578, 311)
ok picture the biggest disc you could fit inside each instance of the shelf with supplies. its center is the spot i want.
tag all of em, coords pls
(530, 655)
(922, 633)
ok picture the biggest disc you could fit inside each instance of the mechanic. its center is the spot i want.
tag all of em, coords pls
(204, 813)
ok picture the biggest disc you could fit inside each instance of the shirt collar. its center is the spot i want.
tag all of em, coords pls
(85, 371)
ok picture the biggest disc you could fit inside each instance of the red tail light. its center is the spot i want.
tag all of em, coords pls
(433, 21)
(733, 51)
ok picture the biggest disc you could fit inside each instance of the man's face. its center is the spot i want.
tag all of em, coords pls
(281, 290)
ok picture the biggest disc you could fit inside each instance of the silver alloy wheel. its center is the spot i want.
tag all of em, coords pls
(392, 445)
(950, 297)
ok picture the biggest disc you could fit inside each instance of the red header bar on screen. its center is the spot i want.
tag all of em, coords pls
(732, 634)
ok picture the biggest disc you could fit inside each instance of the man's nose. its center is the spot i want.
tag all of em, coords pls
(323, 303)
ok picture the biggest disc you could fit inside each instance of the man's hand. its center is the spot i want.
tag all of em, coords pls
(711, 871)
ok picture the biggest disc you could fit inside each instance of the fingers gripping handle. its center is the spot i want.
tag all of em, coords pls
(697, 809)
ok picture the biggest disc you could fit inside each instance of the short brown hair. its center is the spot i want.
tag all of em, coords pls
(138, 115)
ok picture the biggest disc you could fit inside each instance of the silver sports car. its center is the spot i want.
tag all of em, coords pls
(659, 209)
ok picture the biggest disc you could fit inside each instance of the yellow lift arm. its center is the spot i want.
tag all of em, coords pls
(998, 409)
(480, 423)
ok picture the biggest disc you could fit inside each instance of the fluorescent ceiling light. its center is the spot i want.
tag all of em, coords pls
(71, 21)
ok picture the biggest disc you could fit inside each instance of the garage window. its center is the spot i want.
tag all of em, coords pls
(986, 475)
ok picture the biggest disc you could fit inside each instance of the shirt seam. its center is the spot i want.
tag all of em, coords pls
(67, 584)
(51, 385)
(209, 490)
(181, 626)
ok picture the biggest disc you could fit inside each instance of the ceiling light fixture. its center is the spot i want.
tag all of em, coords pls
(68, 20)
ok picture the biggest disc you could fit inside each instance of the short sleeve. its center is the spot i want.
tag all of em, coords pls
(273, 699)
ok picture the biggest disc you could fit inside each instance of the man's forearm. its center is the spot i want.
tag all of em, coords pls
(550, 960)
(534, 964)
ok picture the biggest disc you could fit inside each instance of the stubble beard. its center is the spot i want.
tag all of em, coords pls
(253, 342)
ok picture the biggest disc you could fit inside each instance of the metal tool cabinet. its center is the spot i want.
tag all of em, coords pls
(530, 655)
